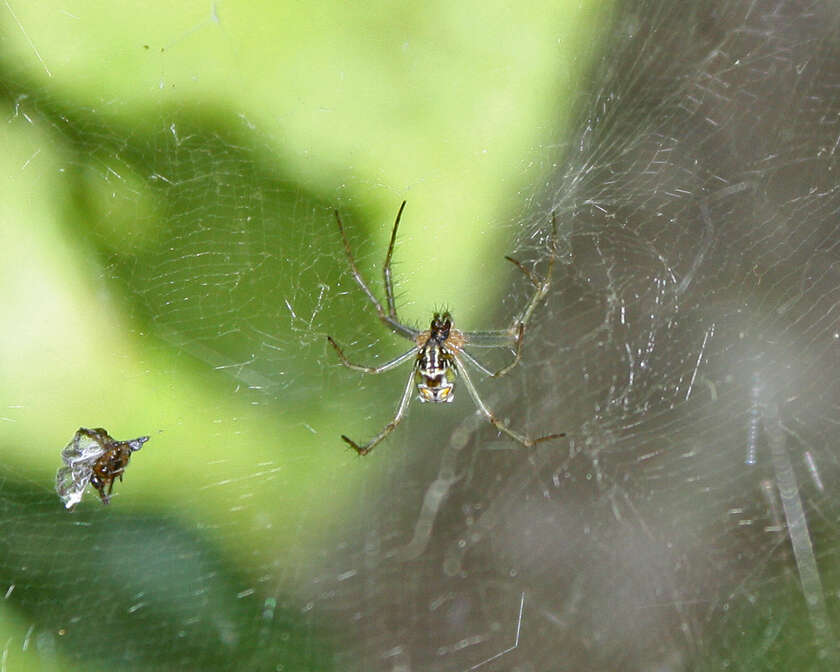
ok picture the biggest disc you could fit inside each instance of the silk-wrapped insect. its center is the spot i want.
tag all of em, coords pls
(93, 457)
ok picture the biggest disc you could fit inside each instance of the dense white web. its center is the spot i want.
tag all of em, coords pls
(688, 347)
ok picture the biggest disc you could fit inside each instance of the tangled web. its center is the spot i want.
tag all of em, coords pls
(688, 348)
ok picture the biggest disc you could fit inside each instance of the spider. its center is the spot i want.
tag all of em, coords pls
(94, 457)
(438, 353)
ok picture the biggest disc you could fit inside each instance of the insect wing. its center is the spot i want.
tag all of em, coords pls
(69, 487)
(79, 456)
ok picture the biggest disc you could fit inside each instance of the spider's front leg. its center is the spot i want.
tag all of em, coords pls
(390, 318)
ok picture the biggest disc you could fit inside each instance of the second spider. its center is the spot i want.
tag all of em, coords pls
(438, 353)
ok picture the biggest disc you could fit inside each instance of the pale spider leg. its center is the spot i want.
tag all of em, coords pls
(472, 360)
(533, 277)
(386, 269)
(498, 424)
(387, 366)
(391, 426)
(542, 285)
(542, 288)
(512, 336)
(498, 338)
(390, 321)
(518, 328)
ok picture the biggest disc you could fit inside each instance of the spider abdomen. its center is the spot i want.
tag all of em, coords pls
(436, 373)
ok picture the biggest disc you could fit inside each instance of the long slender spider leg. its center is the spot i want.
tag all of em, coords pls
(386, 269)
(517, 354)
(497, 338)
(542, 286)
(355, 270)
(391, 426)
(474, 362)
(518, 328)
(487, 372)
(498, 424)
(512, 336)
(387, 366)
(533, 277)
(390, 321)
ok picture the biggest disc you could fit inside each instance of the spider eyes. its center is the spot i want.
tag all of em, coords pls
(441, 323)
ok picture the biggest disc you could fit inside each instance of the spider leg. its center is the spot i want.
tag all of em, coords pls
(498, 338)
(517, 354)
(517, 344)
(389, 319)
(391, 426)
(498, 424)
(514, 335)
(542, 284)
(472, 360)
(387, 366)
(386, 269)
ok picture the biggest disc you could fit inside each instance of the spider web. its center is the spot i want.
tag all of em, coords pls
(688, 347)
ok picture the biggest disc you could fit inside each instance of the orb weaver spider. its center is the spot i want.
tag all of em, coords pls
(438, 352)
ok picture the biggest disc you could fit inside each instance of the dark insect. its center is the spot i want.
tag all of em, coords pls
(93, 457)
(438, 354)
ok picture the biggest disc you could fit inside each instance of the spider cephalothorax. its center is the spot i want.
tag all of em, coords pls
(439, 353)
